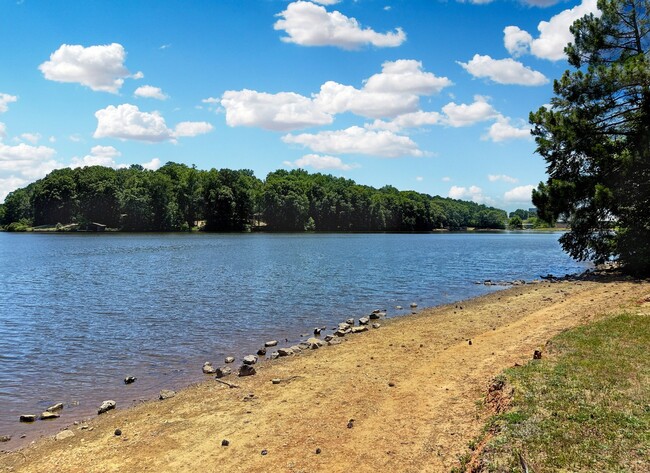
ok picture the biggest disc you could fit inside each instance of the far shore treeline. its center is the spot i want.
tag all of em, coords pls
(178, 197)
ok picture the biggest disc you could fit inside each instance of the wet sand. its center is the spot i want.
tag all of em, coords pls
(404, 397)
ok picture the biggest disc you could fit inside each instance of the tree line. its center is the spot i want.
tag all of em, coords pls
(177, 197)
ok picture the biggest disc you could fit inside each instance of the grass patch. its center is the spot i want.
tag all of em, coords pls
(584, 407)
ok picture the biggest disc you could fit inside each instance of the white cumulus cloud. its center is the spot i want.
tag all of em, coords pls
(150, 92)
(554, 34)
(473, 193)
(458, 115)
(503, 71)
(320, 162)
(3, 130)
(521, 194)
(501, 177)
(503, 130)
(283, 111)
(99, 156)
(152, 165)
(357, 140)
(406, 76)
(192, 129)
(5, 100)
(408, 120)
(101, 68)
(127, 122)
(308, 24)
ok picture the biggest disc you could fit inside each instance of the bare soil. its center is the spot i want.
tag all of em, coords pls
(406, 397)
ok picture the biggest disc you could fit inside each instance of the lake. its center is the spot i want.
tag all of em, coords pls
(79, 312)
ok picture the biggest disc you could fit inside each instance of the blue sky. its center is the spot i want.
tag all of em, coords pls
(427, 95)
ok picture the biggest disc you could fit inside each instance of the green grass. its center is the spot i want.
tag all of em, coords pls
(584, 407)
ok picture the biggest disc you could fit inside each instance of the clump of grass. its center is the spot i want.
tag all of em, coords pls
(584, 407)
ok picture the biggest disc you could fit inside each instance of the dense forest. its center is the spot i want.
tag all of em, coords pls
(177, 197)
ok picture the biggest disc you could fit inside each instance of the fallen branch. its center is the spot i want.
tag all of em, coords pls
(230, 385)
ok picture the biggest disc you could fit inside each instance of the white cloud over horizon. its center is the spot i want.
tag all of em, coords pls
(501, 177)
(309, 24)
(100, 68)
(127, 122)
(520, 194)
(357, 140)
(321, 162)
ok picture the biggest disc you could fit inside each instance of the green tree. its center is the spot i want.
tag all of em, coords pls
(595, 138)
(515, 223)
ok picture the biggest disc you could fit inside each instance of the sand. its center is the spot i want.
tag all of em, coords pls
(406, 397)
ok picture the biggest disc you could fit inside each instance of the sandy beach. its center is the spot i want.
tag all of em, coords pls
(406, 397)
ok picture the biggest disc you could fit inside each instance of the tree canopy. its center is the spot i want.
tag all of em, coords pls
(595, 139)
(176, 197)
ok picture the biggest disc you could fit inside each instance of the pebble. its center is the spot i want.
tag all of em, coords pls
(166, 394)
(250, 359)
(49, 415)
(376, 325)
(261, 352)
(225, 443)
(223, 371)
(106, 406)
(129, 379)
(118, 432)
(276, 380)
(229, 359)
(318, 450)
(64, 434)
(537, 355)
(350, 423)
(413, 305)
(27, 418)
(55, 407)
(391, 384)
(399, 307)
(246, 370)
(208, 368)
(265, 452)
(317, 331)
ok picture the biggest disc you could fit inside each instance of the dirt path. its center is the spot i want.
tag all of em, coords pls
(409, 391)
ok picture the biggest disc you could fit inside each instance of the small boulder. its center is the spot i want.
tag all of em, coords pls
(363, 328)
(271, 343)
(376, 325)
(413, 305)
(250, 359)
(315, 343)
(106, 406)
(296, 348)
(223, 371)
(4, 438)
(364, 320)
(130, 380)
(166, 394)
(229, 359)
(56, 407)
(274, 355)
(49, 415)
(537, 355)
(208, 368)
(246, 370)
(64, 434)
(376, 315)
(27, 418)
(285, 351)
(261, 352)
(317, 331)
(399, 307)
(350, 321)
(328, 338)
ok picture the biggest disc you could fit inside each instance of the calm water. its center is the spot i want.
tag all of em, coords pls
(79, 312)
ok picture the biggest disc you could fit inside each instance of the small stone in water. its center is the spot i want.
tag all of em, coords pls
(27, 418)
(129, 379)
